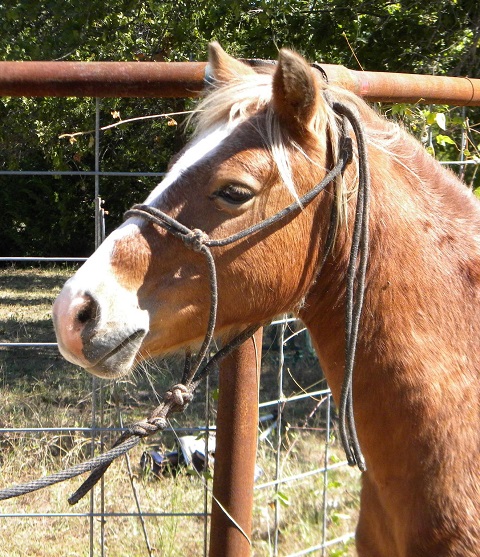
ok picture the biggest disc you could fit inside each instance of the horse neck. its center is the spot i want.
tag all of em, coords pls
(423, 262)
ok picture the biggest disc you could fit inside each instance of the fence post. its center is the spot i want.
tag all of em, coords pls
(235, 452)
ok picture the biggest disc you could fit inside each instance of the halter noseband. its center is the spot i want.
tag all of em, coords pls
(200, 242)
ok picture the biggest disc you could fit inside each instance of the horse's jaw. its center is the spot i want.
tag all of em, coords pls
(119, 360)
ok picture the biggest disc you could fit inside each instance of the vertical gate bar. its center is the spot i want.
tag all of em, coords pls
(92, 498)
(99, 237)
(325, 475)
(207, 465)
(278, 467)
(235, 451)
(97, 173)
(97, 387)
(94, 379)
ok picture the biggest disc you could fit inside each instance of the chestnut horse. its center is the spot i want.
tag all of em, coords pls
(262, 140)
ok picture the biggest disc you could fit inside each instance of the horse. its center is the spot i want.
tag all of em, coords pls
(262, 140)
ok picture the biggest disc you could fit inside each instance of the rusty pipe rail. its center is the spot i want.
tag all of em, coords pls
(407, 88)
(186, 79)
(101, 79)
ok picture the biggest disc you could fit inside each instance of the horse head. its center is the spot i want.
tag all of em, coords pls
(260, 142)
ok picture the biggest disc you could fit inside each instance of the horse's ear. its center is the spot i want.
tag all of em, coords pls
(295, 90)
(224, 68)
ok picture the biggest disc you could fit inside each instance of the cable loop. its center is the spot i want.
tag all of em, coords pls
(160, 423)
(142, 429)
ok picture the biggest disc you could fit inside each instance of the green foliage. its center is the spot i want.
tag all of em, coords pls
(446, 133)
(282, 498)
(51, 215)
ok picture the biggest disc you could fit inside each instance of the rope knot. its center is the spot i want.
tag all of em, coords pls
(180, 394)
(142, 429)
(195, 239)
(160, 423)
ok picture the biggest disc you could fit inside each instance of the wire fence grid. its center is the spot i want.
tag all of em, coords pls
(286, 461)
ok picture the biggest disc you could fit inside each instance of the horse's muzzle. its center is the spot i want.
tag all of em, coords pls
(104, 338)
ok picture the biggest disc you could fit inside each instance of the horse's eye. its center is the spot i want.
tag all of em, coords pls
(236, 194)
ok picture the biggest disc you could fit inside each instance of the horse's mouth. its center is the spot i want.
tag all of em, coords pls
(112, 363)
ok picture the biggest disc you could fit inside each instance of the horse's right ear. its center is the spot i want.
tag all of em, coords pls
(222, 67)
(296, 95)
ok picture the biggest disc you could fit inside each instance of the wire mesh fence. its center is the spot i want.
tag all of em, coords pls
(157, 500)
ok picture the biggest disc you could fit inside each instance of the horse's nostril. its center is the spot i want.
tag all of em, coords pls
(88, 312)
(84, 315)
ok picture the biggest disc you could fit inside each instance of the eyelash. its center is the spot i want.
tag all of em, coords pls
(236, 194)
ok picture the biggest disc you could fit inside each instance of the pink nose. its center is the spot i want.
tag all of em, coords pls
(73, 318)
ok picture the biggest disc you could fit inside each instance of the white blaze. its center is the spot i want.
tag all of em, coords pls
(202, 146)
(95, 274)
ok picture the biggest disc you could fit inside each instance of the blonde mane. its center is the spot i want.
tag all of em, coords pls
(234, 102)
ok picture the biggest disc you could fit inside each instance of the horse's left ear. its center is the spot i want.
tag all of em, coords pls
(224, 68)
(295, 91)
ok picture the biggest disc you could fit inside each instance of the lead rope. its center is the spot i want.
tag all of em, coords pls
(178, 397)
(354, 295)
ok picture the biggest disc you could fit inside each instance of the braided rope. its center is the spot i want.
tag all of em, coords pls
(354, 296)
(174, 400)
(69, 473)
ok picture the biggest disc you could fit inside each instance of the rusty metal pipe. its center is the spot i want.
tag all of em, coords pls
(185, 79)
(407, 88)
(235, 451)
(101, 79)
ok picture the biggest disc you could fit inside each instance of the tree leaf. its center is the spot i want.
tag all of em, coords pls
(444, 140)
(441, 120)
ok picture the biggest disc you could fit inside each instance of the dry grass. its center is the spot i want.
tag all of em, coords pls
(40, 390)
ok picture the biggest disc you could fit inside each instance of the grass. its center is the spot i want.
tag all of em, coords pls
(40, 389)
